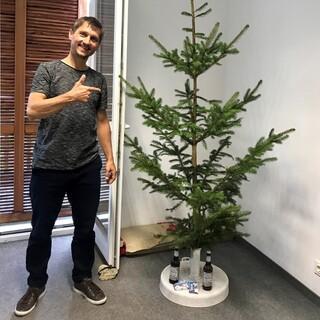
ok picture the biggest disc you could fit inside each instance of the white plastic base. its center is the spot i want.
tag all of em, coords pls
(217, 294)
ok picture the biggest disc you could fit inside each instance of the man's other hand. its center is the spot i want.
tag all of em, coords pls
(111, 172)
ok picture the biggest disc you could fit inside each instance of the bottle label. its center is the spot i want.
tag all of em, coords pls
(207, 279)
(174, 273)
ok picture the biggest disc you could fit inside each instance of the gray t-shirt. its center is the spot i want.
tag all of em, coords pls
(68, 139)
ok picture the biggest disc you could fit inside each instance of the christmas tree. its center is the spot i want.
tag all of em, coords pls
(208, 189)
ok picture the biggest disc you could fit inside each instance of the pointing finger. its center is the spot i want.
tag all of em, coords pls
(94, 89)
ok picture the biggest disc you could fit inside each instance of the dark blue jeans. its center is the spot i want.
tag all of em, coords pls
(47, 190)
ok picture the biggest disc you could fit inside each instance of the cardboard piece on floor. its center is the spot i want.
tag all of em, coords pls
(141, 239)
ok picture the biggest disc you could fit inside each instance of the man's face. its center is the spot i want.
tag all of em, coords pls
(85, 40)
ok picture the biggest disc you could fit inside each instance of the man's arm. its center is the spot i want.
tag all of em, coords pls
(104, 136)
(39, 106)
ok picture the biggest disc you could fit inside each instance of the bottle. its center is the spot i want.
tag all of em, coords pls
(174, 267)
(207, 273)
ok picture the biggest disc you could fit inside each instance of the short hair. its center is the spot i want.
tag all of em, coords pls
(92, 21)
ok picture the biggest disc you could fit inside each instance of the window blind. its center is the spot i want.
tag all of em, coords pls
(104, 60)
(7, 60)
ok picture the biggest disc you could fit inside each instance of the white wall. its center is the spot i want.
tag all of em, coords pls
(282, 47)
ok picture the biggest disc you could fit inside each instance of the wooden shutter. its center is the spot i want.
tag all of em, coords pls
(7, 62)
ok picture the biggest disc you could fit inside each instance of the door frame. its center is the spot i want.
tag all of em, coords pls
(108, 240)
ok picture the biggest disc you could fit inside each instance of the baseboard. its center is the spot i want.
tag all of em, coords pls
(295, 282)
(25, 235)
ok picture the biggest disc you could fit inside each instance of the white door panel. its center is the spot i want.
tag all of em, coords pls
(108, 228)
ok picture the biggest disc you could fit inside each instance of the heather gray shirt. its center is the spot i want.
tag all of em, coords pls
(67, 139)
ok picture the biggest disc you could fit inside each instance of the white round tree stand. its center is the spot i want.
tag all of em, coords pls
(217, 294)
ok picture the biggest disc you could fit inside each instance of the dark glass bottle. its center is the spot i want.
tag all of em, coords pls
(207, 273)
(174, 267)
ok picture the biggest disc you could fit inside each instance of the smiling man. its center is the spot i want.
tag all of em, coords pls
(70, 99)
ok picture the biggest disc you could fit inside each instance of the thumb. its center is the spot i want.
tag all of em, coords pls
(81, 80)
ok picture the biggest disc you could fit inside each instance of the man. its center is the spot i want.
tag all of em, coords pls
(71, 100)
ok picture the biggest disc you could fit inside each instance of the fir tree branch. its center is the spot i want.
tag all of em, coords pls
(221, 120)
(203, 13)
(150, 165)
(235, 174)
(212, 35)
(175, 206)
(215, 155)
(174, 151)
(237, 37)
(201, 7)
(210, 229)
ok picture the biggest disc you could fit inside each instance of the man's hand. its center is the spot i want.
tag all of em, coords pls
(111, 172)
(80, 92)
